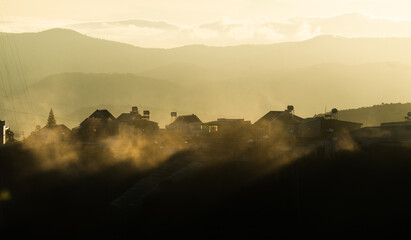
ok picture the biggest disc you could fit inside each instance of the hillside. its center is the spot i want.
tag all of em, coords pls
(59, 50)
(377, 114)
(312, 89)
(93, 89)
(69, 71)
(68, 92)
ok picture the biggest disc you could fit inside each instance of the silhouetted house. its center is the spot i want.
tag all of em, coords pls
(51, 134)
(131, 116)
(188, 126)
(2, 132)
(371, 135)
(98, 125)
(224, 127)
(103, 115)
(406, 123)
(228, 137)
(324, 128)
(392, 133)
(138, 123)
(276, 126)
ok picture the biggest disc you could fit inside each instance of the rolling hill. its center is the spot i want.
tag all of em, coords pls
(311, 90)
(377, 114)
(60, 50)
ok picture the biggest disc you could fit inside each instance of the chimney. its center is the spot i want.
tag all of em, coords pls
(134, 109)
(173, 116)
(290, 109)
(334, 113)
(146, 115)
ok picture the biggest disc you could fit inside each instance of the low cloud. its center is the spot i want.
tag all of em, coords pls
(226, 31)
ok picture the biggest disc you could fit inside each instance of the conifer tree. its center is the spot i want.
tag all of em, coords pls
(51, 121)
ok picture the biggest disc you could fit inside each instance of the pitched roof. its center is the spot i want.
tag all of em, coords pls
(129, 116)
(271, 115)
(277, 115)
(187, 119)
(59, 127)
(46, 130)
(102, 114)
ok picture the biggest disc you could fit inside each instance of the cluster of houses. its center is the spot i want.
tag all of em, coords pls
(275, 127)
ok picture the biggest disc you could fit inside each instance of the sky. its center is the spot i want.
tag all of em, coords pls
(196, 11)
(174, 23)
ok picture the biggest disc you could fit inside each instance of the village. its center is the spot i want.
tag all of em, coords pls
(284, 129)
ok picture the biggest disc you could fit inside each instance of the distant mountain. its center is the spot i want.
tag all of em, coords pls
(69, 71)
(79, 89)
(185, 73)
(37, 55)
(59, 50)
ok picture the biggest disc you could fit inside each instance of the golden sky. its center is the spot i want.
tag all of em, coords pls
(195, 11)
(174, 23)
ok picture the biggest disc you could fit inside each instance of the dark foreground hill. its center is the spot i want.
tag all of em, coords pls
(361, 192)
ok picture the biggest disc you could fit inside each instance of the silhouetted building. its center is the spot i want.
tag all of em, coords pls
(277, 126)
(49, 134)
(227, 136)
(392, 133)
(323, 128)
(132, 115)
(224, 126)
(188, 125)
(146, 115)
(98, 125)
(2, 132)
(137, 122)
(103, 115)
(406, 123)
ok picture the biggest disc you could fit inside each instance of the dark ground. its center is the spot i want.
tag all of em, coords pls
(349, 194)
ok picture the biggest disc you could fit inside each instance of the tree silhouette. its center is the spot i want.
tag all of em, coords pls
(10, 136)
(51, 121)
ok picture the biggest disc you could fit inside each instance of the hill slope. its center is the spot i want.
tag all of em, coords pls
(310, 90)
(59, 50)
(241, 81)
(377, 114)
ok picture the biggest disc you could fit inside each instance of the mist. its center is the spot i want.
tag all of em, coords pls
(225, 119)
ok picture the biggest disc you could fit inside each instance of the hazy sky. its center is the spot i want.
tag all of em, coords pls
(196, 11)
(174, 23)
